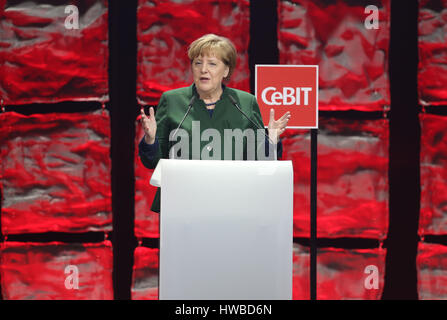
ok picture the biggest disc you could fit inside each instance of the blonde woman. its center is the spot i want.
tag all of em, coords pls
(206, 105)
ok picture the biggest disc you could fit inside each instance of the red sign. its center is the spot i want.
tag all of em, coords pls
(291, 88)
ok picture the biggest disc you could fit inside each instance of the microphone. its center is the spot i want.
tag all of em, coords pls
(181, 122)
(233, 100)
(184, 117)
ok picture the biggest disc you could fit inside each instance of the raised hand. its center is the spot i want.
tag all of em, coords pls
(149, 125)
(277, 127)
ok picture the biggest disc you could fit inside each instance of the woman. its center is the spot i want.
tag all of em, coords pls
(190, 112)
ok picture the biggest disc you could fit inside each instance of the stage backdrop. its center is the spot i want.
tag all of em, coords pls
(433, 216)
(43, 60)
(165, 30)
(56, 271)
(352, 60)
(55, 169)
(432, 271)
(432, 75)
(432, 83)
(352, 193)
(55, 172)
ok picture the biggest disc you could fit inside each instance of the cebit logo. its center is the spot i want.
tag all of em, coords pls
(289, 96)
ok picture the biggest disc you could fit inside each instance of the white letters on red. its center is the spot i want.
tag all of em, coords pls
(287, 97)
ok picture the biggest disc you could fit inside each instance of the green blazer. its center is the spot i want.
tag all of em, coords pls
(172, 107)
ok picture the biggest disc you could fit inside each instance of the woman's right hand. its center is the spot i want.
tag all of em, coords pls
(149, 125)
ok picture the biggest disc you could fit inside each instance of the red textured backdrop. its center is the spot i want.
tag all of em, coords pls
(352, 192)
(37, 271)
(353, 61)
(301, 273)
(165, 30)
(341, 273)
(42, 61)
(55, 172)
(146, 221)
(433, 214)
(145, 274)
(432, 75)
(431, 264)
(55, 168)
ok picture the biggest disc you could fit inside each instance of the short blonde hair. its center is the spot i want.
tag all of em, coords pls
(222, 47)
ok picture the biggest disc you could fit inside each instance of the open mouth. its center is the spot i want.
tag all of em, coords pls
(204, 78)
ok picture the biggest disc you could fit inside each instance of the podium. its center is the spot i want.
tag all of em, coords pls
(226, 229)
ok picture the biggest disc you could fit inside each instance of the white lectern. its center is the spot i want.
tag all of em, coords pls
(225, 229)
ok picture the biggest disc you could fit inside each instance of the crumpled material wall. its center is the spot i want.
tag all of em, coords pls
(353, 61)
(145, 274)
(352, 192)
(43, 62)
(431, 265)
(340, 273)
(433, 213)
(432, 74)
(165, 30)
(301, 272)
(55, 172)
(335, 267)
(146, 221)
(37, 271)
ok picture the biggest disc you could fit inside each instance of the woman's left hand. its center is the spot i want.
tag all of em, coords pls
(277, 127)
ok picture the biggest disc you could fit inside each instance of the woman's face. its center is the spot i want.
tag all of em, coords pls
(208, 72)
